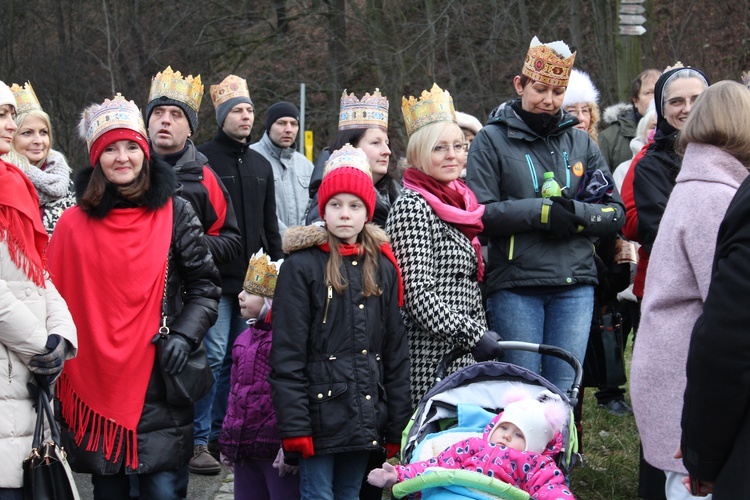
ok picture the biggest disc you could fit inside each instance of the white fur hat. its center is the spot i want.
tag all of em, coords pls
(580, 89)
(6, 96)
(465, 120)
(538, 418)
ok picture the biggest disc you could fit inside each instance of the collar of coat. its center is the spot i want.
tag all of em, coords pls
(302, 237)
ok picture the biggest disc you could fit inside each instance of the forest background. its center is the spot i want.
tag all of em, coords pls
(76, 52)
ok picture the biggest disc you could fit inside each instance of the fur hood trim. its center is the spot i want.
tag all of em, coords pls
(302, 237)
(615, 112)
(163, 187)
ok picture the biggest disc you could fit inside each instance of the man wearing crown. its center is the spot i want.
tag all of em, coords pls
(291, 170)
(248, 178)
(172, 117)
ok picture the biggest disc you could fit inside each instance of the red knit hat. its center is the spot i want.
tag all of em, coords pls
(347, 171)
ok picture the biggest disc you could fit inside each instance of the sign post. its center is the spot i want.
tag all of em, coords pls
(632, 17)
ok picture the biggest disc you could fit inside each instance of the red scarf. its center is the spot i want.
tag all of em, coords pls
(356, 249)
(20, 224)
(111, 273)
(453, 203)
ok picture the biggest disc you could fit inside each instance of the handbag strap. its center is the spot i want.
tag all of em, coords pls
(44, 410)
(164, 329)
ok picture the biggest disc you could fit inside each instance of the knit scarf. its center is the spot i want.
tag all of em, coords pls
(357, 249)
(111, 272)
(20, 224)
(453, 203)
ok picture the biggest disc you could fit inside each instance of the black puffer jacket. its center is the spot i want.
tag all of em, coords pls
(340, 364)
(165, 432)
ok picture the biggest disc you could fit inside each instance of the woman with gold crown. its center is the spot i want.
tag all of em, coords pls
(37, 333)
(128, 256)
(433, 228)
(363, 123)
(541, 272)
(32, 151)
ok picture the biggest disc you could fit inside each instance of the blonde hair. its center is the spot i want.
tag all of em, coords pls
(370, 252)
(422, 142)
(38, 113)
(721, 118)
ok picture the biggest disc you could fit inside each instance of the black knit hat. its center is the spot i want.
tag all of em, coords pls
(280, 110)
(191, 115)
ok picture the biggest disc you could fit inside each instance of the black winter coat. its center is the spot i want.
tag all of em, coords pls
(339, 364)
(248, 177)
(716, 410)
(212, 204)
(165, 432)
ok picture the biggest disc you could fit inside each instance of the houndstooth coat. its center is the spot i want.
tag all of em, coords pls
(443, 304)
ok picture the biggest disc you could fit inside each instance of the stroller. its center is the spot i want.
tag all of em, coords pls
(444, 417)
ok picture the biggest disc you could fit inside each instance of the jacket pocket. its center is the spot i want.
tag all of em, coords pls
(304, 181)
(328, 403)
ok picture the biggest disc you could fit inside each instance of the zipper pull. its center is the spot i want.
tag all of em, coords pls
(328, 302)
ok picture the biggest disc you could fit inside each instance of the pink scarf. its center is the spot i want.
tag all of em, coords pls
(455, 204)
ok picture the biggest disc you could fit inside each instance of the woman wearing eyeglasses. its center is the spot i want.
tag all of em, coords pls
(433, 228)
(541, 271)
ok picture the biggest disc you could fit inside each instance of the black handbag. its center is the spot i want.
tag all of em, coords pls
(604, 364)
(46, 472)
(196, 379)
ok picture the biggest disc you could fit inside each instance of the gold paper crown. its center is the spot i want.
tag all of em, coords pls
(432, 107)
(172, 85)
(348, 156)
(262, 274)
(110, 115)
(25, 98)
(370, 112)
(231, 87)
(544, 65)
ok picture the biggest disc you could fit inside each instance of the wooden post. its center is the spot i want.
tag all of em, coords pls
(628, 47)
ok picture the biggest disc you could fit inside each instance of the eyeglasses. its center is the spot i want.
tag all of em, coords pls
(458, 147)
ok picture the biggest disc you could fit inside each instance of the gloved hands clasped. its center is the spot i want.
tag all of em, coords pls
(283, 467)
(50, 364)
(564, 222)
(487, 348)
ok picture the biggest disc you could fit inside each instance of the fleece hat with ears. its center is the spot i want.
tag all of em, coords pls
(539, 419)
(347, 171)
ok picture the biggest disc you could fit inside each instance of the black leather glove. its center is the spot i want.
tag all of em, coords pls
(176, 353)
(563, 221)
(487, 349)
(50, 364)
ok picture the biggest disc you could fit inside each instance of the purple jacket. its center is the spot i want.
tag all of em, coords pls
(249, 430)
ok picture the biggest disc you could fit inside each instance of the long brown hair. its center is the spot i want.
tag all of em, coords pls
(370, 250)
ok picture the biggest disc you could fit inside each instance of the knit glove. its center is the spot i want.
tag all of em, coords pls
(564, 222)
(383, 478)
(176, 353)
(392, 449)
(301, 444)
(50, 364)
(284, 468)
(487, 349)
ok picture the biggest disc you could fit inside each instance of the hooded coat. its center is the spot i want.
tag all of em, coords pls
(340, 363)
(618, 129)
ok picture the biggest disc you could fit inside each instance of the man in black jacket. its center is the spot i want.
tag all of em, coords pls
(172, 117)
(249, 180)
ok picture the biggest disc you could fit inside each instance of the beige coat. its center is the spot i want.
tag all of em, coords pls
(28, 314)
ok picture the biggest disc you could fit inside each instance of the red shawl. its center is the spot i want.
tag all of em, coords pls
(111, 273)
(20, 224)
(385, 249)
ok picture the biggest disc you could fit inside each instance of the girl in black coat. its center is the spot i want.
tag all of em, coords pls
(340, 361)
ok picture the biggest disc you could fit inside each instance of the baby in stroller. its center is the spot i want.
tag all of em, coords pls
(517, 447)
